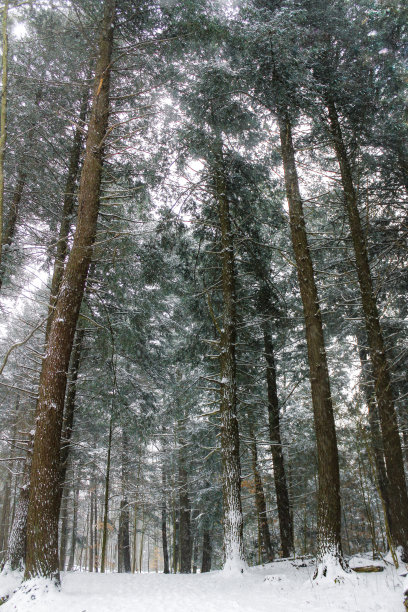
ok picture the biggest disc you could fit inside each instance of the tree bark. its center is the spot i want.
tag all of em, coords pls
(329, 508)
(74, 536)
(64, 531)
(375, 431)
(6, 512)
(91, 526)
(397, 491)
(207, 552)
(42, 525)
(16, 552)
(260, 502)
(185, 516)
(231, 468)
(123, 535)
(69, 412)
(106, 500)
(166, 568)
(67, 213)
(3, 117)
(281, 489)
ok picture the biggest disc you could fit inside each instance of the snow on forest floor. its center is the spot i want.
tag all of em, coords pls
(282, 586)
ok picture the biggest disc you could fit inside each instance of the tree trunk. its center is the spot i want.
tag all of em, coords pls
(3, 117)
(96, 543)
(166, 568)
(281, 489)
(231, 468)
(329, 508)
(106, 500)
(91, 526)
(69, 412)
(398, 497)
(67, 213)
(16, 552)
(375, 431)
(260, 502)
(123, 535)
(185, 516)
(5, 516)
(10, 226)
(175, 541)
(6, 512)
(207, 552)
(42, 525)
(75, 501)
(9, 230)
(64, 531)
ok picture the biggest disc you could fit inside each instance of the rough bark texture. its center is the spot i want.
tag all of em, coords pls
(329, 511)
(69, 412)
(260, 501)
(281, 489)
(398, 497)
(42, 525)
(16, 552)
(67, 213)
(231, 468)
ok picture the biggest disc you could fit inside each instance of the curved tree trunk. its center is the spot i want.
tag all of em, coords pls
(42, 525)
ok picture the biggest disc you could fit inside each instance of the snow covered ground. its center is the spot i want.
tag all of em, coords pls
(276, 587)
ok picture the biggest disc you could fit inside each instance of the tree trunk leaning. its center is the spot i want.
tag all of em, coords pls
(42, 524)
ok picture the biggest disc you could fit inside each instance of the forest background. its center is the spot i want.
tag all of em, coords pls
(202, 284)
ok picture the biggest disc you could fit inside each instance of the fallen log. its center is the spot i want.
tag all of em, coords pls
(368, 568)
